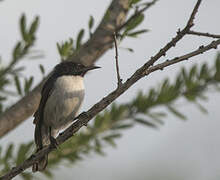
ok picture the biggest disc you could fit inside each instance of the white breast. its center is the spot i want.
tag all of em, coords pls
(70, 83)
(64, 102)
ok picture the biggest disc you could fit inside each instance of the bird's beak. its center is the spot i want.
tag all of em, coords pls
(91, 68)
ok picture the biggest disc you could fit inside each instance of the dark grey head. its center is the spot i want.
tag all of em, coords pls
(72, 68)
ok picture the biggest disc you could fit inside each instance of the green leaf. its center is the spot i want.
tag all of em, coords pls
(79, 38)
(28, 83)
(48, 173)
(91, 22)
(217, 76)
(42, 69)
(98, 121)
(18, 85)
(20, 154)
(136, 33)
(184, 74)
(27, 176)
(34, 26)
(122, 126)
(155, 117)
(176, 113)
(8, 153)
(217, 66)
(179, 83)
(159, 114)
(132, 2)
(66, 49)
(192, 72)
(112, 136)
(98, 147)
(15, 71)
(23, 152)
(204, 72)
(130, 49)
(217, 62)
(23, 27)
(134, 23)
(201, 108)
(110, 141)
(59, 48)
(146, 123)
(17, 51)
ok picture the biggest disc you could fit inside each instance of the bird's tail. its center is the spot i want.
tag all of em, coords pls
(41, 137)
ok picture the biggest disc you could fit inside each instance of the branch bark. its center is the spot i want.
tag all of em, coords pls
(85, 117)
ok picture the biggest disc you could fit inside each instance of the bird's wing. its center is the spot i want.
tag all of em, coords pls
(38, 115)
(45, 93)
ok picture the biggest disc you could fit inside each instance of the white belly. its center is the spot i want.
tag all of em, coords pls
(64, 102)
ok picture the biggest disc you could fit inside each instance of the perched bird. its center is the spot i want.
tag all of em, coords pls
(61, 98)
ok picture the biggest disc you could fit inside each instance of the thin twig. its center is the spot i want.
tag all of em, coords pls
(116, 59)
(192, 17)
(203, 34)
(102, 104)
(200, 50)
(178, 37)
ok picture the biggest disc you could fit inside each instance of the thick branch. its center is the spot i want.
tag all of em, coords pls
(85, 117)
(95, 47)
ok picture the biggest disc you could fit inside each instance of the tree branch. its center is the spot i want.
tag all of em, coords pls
(179, 36)
(116, 60)
(204, 34)
(85, 117)
(200, 50)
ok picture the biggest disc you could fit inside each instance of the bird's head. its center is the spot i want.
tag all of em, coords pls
(72, 68)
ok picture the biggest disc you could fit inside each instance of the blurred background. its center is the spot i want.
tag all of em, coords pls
(183, 150)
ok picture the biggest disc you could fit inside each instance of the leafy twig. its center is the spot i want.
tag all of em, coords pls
(137, 13)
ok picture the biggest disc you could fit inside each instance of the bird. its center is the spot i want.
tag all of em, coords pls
(61, 98)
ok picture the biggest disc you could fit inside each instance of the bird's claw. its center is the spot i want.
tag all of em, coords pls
(53, 142)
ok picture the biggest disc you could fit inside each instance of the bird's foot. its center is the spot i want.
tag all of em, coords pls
(53, 142)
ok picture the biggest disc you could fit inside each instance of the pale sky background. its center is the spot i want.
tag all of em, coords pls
(179, 150)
